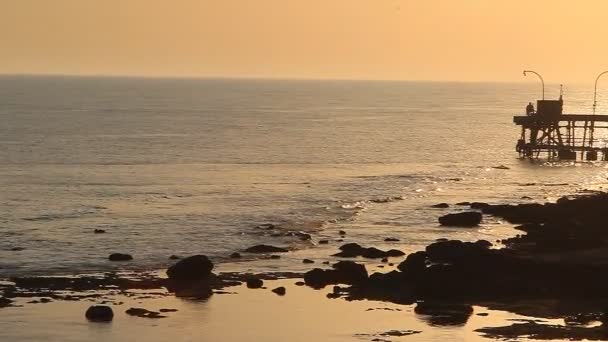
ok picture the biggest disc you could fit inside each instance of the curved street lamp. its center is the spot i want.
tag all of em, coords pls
(595, 90)
(539, 76)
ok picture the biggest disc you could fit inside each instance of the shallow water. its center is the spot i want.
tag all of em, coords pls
(302, 314)
(170, 166)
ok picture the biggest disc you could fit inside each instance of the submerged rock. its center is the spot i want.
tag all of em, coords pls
(99, 313)
(266, 249)
(120, 257)
(192, 268)
(464, 219)
(235, 255)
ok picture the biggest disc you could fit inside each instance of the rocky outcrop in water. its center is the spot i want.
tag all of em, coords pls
(464, 219)
(196, 267)
(99, 313)
(343, 272)
(266, 249)
(353, 250)
(120, 257)
(561, 258)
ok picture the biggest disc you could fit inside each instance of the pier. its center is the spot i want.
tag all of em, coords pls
(551, 133)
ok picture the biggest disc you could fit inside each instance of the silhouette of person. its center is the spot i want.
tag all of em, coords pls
(529, 109)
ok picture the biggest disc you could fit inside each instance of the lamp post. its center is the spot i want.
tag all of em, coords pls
(595, 90)
(539, 76)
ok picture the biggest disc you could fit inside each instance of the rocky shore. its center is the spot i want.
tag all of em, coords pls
(555, 269)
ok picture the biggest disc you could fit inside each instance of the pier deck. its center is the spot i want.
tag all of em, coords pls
(561, 136)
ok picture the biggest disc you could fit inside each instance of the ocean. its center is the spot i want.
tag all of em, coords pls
(204, 166)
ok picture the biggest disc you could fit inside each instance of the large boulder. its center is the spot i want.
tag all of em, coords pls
(349, 272)
(458, 252)
(196, 267)
(99, 313)
(266, 249)
(464, 219)
(414, 264)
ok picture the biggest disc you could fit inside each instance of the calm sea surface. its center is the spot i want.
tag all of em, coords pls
(168, 166)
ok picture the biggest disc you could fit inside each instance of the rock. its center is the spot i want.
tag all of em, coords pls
(174, 257)
(318, 278)
(384, 260)
(353, 250)
(120, 257)
(325, 262)
(478, 205)
(193, 268)
(140, 312)
(344, 272)
(235, 255)
(280, 291)
(464, 203)
(501, 167)
(391, 239)
(300, 283)
(308, 261)
(274, 257)
(414, 264)
(350, 272)
(4, 302)
(323, 242)
(526, 197)
(168, 310)
(342, 232)
(441, 205)
(394, 253)
(254, 283)
(442, 313)
(464, 219)
(17, 249)
(266, 249)
(99, 231)
(99, 313)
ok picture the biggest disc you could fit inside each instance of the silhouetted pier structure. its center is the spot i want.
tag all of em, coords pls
(560, 136)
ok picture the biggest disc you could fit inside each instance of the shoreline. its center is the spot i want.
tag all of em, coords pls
(448, 283)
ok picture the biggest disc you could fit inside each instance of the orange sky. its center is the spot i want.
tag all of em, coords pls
(465, 40)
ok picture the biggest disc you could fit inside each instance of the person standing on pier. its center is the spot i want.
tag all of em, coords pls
(529, 109)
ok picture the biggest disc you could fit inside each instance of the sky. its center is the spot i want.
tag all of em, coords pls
(464, 40)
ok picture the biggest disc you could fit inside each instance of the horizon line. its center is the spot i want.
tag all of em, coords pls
(265, 78)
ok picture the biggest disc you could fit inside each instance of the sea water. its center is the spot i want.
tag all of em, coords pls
(195, 166)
